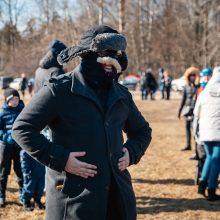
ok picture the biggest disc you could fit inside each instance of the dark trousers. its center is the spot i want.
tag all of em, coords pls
(162, 94)
(168, 89)
(34, 178)
(9, 153)
(143, 94)
(188, 124)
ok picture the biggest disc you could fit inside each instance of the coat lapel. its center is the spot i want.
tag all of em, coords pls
(114, 96)
(80, 88)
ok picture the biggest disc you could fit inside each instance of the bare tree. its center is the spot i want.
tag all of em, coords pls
(168, 33)
(141, 31)
(101, 8)
(121, 13)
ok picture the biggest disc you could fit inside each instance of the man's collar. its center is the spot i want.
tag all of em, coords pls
(80, 87)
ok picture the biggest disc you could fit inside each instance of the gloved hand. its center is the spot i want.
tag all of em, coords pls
(5, 137)
(10, 140)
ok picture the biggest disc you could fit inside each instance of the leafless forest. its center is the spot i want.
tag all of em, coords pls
(170, 33)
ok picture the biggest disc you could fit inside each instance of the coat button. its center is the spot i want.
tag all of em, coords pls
(110, 154)
(107, 124)
(107, 188)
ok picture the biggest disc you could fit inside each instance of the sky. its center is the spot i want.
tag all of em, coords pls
(28, 9)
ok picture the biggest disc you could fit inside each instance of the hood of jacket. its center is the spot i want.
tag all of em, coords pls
(18, 108)
(213, 87)
(49, 60)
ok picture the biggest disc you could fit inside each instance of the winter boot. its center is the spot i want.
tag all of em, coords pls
(27, 206)
(38, 204)
(186, 148)
(202, 187)
(2, 202)
(194, 157)
(212, 196)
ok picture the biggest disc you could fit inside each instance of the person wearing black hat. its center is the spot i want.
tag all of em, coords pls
(9, 149)
(48, 65)
(87, 112)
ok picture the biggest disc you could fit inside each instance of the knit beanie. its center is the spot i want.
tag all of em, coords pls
(206, 72)
(10, 93)
(56, 47)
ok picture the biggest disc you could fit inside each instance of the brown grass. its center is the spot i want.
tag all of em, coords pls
(163, 180)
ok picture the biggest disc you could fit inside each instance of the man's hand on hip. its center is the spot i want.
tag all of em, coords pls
(124, 161)
(79, 168)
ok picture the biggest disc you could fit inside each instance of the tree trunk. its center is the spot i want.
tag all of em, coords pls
(121, 20)
(101, 7)
(205, 34)
(140, 17)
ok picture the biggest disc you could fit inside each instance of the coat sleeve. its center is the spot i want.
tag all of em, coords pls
(138, 134)
(182, 101)
(41, 111)
(57, 72)
(1, 126)
(196, 113)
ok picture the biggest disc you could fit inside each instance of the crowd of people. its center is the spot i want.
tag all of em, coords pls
(149, 85)
(200, 106)
(71, 115)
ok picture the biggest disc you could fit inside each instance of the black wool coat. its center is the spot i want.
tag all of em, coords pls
(79, 123)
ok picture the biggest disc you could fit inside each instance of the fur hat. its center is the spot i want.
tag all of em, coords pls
(96, 39)
(10, 93)
(192, 71)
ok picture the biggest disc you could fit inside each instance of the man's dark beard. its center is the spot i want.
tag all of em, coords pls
(94, 73)
(111, 74)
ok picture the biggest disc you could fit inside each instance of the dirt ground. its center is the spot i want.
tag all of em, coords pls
(163, 180)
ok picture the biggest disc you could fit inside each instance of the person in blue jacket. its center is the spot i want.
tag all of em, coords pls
(33, 187)
(9, 149)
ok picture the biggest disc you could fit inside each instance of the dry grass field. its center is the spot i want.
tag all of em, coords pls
(163, 180)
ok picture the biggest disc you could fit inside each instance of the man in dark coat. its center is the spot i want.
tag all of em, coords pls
(87, 111)
(48, 65)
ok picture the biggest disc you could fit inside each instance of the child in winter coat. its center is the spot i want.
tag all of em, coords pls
(9, 149)
(34, 178)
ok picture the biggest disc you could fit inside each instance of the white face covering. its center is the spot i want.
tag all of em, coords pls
(109, 64)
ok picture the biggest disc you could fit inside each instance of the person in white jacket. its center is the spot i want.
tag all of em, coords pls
(207, 120)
